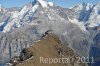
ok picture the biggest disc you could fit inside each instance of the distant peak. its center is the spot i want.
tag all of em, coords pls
(50, 4)
(43, 3)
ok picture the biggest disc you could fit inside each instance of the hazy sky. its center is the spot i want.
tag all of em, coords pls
(63, 3)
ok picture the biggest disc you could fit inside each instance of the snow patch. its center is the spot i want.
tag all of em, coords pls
(78, 7)
(50, 4)
(2, 23)
(23, 11)
(8, 27)
(34, 8)
(15, 14)
(88, 6)
(80, 24)
(93, 25)
(43, 3)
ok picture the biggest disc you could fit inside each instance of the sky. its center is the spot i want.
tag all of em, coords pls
(63, 3)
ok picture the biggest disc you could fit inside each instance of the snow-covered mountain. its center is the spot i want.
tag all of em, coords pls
(23, 16)
(89, 14)
(21, 27)
(85, 13)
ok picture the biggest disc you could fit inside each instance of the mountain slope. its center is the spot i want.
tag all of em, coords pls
(49, 46)
(23, 16)
(95, 49)
(26, 25)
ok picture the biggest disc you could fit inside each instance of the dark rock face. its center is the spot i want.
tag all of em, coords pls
(97, 39)
(95, 50)
(25, 54)
(15, 60)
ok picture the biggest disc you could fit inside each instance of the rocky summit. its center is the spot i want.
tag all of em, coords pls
(47, 47)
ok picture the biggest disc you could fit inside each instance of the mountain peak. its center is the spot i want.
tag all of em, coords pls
(50, 4)
(43, 3)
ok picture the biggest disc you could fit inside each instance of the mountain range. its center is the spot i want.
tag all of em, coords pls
(79, 27)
